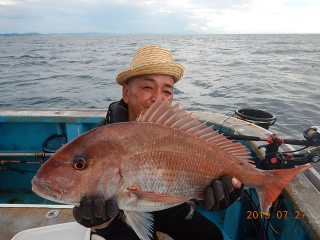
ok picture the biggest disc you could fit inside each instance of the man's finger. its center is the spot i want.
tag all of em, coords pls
(236, 183)
(76, 214)
(86, 208)
(209, 200)
(112, 208)
(98, 208)
(222, 200)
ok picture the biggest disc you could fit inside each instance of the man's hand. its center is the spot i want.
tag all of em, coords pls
(95, 211)
(221, 193)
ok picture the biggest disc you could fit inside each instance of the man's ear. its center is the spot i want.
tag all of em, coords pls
(125, 90)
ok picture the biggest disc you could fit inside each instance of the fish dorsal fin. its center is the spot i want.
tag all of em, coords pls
(161, 112)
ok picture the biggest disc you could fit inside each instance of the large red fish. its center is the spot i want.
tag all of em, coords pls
(163, 159)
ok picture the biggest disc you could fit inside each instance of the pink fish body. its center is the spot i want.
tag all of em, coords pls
(163, 159)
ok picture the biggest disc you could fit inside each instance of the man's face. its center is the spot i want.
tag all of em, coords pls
(142, 91)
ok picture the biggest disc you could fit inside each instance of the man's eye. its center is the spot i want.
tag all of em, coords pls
(147, 88)
(167, 93)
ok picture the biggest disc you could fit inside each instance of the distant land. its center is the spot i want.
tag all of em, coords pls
(89, 33)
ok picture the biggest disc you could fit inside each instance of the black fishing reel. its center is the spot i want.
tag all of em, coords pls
(287, 158)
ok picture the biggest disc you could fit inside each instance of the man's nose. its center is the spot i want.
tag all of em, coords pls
(157, 94)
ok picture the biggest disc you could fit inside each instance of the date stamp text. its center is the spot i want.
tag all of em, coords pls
(279, 215)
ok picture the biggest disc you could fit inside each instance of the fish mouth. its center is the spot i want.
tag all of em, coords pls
(46, 191)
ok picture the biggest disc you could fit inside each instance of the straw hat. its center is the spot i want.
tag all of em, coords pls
(152, 60)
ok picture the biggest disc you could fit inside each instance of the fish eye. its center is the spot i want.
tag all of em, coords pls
(79, 163)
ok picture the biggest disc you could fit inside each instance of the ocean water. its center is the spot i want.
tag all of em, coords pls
(277, 73)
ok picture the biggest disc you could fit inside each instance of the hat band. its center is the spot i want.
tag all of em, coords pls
(143, 64)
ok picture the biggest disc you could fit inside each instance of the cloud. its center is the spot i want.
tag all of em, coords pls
(265, 18)
(155, 16)
(273, 16)
(9, 2)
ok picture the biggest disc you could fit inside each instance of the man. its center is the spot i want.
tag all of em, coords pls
(152, 75)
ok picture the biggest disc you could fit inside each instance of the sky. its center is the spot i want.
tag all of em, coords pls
(160, 16)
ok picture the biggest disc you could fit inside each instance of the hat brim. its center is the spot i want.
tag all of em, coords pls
(170, 68)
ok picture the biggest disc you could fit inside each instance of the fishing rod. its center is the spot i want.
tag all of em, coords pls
(274, 159)
(18, 161)
(5, 167)
(46, 153)
(40, 155)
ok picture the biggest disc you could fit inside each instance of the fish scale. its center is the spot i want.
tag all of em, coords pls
(169, 165)
(163, 159)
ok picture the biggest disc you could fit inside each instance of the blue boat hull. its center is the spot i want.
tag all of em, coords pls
(23, 133)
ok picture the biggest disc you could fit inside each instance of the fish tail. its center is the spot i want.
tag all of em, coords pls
(269, 193)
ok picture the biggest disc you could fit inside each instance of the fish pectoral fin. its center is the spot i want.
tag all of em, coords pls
(156, 197)
(141, 223)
